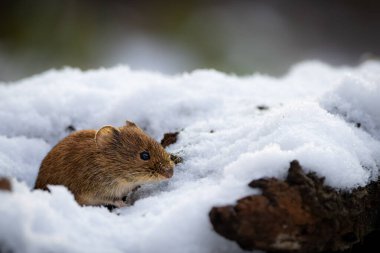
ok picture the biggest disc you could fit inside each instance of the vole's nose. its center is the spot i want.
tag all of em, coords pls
(167, 172)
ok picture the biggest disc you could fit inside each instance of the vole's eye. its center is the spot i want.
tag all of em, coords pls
(145, 155)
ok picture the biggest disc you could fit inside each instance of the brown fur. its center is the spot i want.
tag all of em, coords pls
(101, 167)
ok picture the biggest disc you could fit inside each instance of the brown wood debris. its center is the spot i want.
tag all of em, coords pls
(300, 214)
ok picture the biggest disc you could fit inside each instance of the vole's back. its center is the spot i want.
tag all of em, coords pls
(68, 162)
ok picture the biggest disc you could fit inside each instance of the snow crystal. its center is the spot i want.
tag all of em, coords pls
(327, 118)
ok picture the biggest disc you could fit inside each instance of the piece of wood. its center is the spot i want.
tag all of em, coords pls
(5, 184)
(300, 214)
(169, 138)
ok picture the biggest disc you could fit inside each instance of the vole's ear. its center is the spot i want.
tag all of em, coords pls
(107, 135)
(130, 123)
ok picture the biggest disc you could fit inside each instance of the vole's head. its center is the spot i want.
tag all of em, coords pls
(132, 154)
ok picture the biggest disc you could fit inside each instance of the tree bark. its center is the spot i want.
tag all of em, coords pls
(300, 214)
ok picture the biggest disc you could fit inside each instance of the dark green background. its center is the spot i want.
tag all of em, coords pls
(239, 37)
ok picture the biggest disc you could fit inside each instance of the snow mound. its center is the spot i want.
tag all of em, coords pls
(356, 100)
(232, 130)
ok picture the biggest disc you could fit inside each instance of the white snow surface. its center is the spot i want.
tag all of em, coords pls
(328, 118)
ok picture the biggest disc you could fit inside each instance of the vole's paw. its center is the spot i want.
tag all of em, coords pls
(129, 199)
(131, 196)
(120, 203)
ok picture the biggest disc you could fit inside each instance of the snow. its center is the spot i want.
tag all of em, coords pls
(326, 117)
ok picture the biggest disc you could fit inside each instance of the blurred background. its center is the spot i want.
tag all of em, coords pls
(240, 37)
